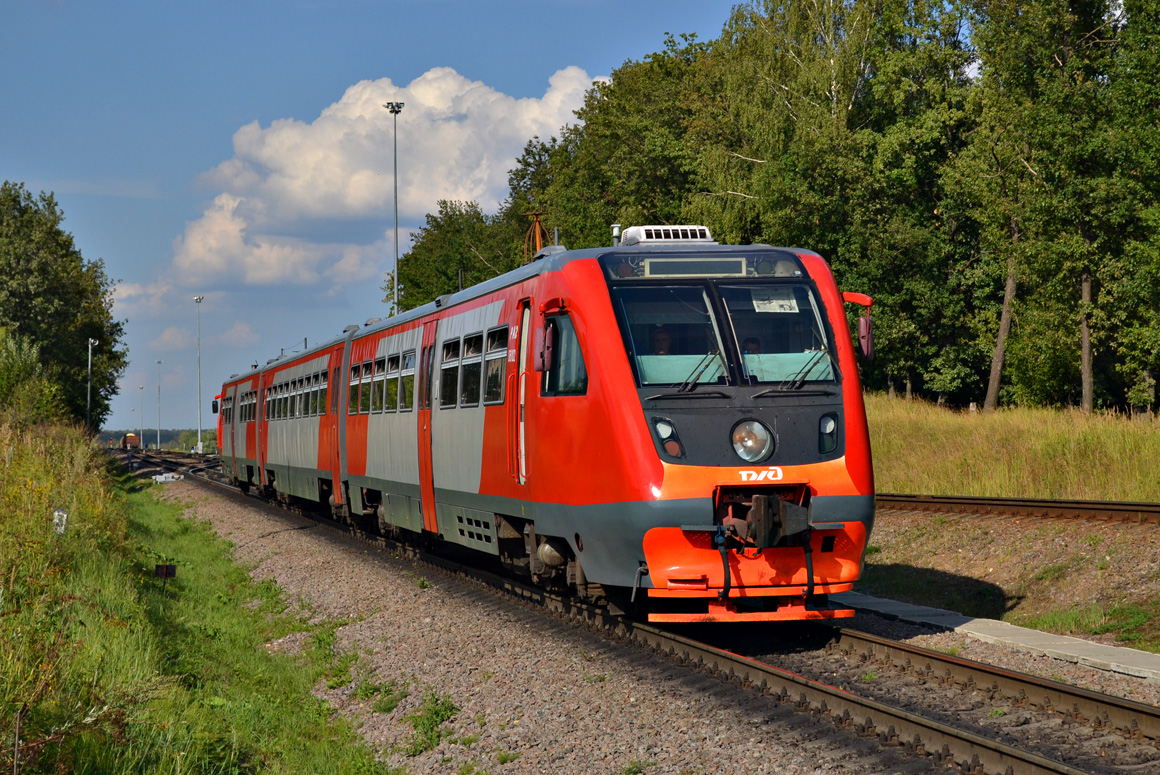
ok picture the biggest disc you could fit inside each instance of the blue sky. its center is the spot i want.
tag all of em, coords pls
(239, 151)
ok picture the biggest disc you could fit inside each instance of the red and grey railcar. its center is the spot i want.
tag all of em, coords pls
(669, 421)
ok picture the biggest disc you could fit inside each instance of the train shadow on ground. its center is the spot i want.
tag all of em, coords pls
(905, 583)
(937, 589)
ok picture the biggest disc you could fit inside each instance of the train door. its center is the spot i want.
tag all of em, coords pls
(522, 394)
(330, 420)
(263, 438)
(423, 405)
(229, 423)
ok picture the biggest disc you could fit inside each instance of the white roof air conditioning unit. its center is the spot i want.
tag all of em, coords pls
(666, 235)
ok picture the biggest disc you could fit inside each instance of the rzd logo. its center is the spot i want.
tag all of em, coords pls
(771, 474)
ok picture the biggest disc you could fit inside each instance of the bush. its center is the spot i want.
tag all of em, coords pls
(27, 393)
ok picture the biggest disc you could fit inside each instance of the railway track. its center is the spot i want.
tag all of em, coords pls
(1022, 507)
(1065, 729)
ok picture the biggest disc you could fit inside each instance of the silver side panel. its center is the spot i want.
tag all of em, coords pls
(457, 434)
(294, 443)
(393, 437)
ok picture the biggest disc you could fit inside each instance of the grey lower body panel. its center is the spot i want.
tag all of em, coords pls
(612, 534)
(400, 500)
(296, 481)
(247, 470)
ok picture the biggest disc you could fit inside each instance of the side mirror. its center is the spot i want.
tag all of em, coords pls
(545, 339)
(215, 406)
(866, 336)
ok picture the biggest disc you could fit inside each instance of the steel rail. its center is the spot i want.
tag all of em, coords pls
(1130, 718)
(1029, 507)
(971, 752)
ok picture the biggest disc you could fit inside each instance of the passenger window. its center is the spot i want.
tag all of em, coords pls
(471, 370)
(364, 404)
(352, 402)
(496, 365)
(392, 396)
(407, 382)
(448, 381)
(377, 387)
(566, 374)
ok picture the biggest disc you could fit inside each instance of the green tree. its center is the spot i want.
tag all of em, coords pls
(55, 300)
(459, 241)
(829, 127)
(626, 160)
(1131, 279)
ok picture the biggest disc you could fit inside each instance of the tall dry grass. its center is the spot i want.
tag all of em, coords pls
(1024, 453)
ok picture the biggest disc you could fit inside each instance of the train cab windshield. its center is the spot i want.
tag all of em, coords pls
(688, 325)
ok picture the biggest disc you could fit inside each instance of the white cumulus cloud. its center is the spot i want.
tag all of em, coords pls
(292, 186)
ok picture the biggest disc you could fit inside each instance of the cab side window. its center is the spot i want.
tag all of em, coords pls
(566, 374)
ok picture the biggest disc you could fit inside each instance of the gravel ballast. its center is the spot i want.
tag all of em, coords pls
(534, 695)
(545, 696)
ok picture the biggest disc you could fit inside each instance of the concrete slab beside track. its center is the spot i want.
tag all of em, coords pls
(1141, 664)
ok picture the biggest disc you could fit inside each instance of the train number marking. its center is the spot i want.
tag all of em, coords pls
(771, 474)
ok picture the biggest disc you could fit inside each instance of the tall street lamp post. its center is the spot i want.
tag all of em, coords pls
(158, 406)
(198, 300)
(141, 418)
(89, 403)
(396, 108)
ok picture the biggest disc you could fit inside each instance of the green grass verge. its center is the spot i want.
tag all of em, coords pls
(109, 669)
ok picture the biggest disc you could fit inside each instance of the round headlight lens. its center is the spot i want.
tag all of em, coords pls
(827, 425)
(752, 441)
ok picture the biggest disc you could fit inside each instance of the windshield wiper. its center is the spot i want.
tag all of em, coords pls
(779, 390)
(690, 382)
(799, 379)
(699, 394)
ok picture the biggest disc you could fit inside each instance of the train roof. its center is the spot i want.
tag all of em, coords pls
(551, 259)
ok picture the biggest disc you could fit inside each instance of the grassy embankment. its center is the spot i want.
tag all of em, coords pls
(1072, 577)
(105, 668)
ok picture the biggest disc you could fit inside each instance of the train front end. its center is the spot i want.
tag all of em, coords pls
(747, 375)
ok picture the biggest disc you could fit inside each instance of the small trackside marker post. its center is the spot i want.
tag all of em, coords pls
(164, 572)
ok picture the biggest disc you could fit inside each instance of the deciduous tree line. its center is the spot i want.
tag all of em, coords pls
(987, 170)
(52, 302)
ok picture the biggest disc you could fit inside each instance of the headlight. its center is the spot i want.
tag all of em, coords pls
(752, 441)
